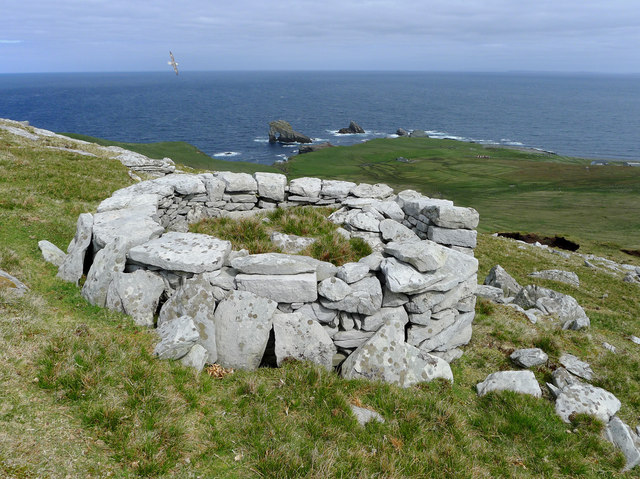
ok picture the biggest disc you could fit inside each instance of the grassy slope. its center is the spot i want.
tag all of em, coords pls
(81, 395)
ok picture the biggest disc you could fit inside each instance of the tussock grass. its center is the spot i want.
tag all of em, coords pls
(253, 233)
(81, 395)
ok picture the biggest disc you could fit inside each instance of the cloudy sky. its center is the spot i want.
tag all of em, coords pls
(450, 35)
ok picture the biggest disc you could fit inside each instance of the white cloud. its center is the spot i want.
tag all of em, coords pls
(11, 41)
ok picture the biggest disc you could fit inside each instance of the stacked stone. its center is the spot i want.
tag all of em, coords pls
(399, 314)
(440, 220)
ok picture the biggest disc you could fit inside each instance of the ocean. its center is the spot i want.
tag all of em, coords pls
(227, 114)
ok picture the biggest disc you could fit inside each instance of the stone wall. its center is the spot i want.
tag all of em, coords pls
(399, 314)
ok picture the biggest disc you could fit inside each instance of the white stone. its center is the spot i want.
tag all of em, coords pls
(196, 358)
(379, 190)
(136, 294)
(391, 230)
(499, 278)
(281, 288)
(135, 225)
(336, 188)
(72, 267)
(386, 357)
(271, 185)
(243, 323)
(365, 297)
(576, 366)
(109, 261)
(183, 184)
(299, 337)
(376, 320)
(452, 217)
(457, 237)
(272, 263)
(364, 221)
(309, 187)
(51, 253)
(334, 289)
(188, 252)
(214, 186)
(586, 399)
(621, 435)
(458, 334)
(319, 313)
(523, 382)
(236, 182)
(177, 337)
(290, 244)
(363, 416)
(527, 358)
(352, 272)
(567, 277)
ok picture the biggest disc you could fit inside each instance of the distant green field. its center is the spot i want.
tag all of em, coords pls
(513, 190)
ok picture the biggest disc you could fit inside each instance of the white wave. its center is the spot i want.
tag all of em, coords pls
(261, 139)
(509, 142)
(392, 135)
(289, 145)
(226, 154)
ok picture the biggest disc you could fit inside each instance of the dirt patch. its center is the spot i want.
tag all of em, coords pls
(632, 252)
(552, 241)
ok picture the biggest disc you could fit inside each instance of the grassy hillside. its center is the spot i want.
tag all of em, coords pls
(82, 396)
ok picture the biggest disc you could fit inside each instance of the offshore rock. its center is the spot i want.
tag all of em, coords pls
(351, 129)
(282, 132)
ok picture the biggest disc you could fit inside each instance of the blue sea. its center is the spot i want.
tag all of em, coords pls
(226, 114)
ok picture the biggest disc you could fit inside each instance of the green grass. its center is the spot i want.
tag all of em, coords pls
(81, 395)
(253, 234)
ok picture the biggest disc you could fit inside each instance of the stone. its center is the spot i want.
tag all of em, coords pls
(634, 339)
(491, 293)
(147, 202)
(336, 188)
(281, 288)
(372, 261)
(177, 337)
(238, 182)
(423, 327)
(551, 302)
(302, 149)
(214, 186)
(12, 284)
(136, 226)
(323, 269)
(586, 399)
(363, 416)
(109, 261)
(456, 335)
(319, 313)
(196, 300)
(523, 382)
(299, 337)
(188, 252)
(136, 294)
(527, 358)
(563, 378)
(72, 267)
(567, 277)
(392, 300)
(290, 244)
(576, 366)
(376, 320)
(281, 131)
(196, 358)
(379, 190)
(243, 323)
(271, 185)
(308, 187)
(452, 217)
(51, 253)
(418, 134)
(352, 338)
(183, 184)
(448, 356)
(454, 237)
(621, 435)
(609, 347)
(364, 221)
(499, 278)
(352, 272)
(389, 209)
(393, 231)
(365, 298)
(386, 357)
(141, 163)
(272, 263)
(334, 289)
(353, 128)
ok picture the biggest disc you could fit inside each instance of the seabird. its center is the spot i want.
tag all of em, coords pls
(173, 63)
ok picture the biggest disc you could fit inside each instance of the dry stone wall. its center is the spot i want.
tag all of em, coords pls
(398, 315)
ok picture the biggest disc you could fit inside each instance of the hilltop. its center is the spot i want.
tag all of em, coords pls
(83, 396)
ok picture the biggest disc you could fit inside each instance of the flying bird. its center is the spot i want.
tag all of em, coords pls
(173, 63)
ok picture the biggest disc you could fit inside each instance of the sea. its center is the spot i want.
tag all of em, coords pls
(227, 114)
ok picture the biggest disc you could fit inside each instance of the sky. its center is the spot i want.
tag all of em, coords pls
(600, 36)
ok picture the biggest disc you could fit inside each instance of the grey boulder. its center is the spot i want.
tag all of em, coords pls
(51, 253)
(586, 399)
(177, 337)
(71, 268)
(527, 358)
(136, 294)
(299, 337)
(523, 382)
(499, 278)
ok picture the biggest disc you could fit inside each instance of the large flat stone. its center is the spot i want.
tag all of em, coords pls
(453, 217)
(243, 322)
(236, 182)
(386, 357)
(281, 288)
(306, 187)
(188, 252)
(422, 255)
(136, 294)
(272, 263)
(271, 185)
(183, 184)
(523, 382)
(586, 399)
(454, 237)
(136, 226)
(299, 337)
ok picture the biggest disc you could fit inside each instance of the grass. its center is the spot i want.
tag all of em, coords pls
(253, 233)
(81, 395)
